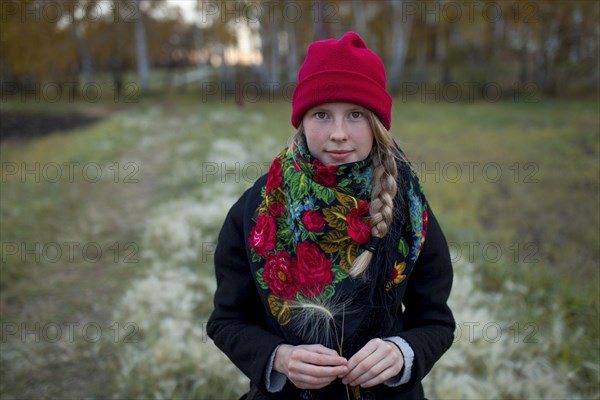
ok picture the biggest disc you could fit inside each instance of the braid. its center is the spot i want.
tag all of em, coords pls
(384, 191)
(385, 187)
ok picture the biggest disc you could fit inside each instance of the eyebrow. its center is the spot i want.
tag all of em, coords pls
(345, 109)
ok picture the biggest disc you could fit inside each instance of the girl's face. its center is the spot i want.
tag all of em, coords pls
(338, 133)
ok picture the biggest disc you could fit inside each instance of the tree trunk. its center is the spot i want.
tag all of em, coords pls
(541, 67)
(275, 65)
(321, 28)
(85, 57)
(360, 19)
(292, 56)
(444, 49)
(264, 51)
(400, 35)
(524, 64)
(116, 61)
(141, 49)
(420, 64)
(199, 41)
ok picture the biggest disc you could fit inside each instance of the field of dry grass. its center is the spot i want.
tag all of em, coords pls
(108, 232)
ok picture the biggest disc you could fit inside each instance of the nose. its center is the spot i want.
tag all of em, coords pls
(338, 132)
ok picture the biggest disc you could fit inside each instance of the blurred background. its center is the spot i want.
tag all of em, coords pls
(128, 128)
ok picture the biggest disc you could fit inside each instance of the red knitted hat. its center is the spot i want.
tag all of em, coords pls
(342, 70)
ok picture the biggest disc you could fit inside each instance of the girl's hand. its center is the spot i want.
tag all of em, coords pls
(309, 366)
(375, 363)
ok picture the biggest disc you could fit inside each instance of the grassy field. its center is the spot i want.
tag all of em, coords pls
(108, 233)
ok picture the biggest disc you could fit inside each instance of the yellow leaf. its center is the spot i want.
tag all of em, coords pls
(333, 241)
(280, 310)
(347, 201)
(262, 208)
(351, 252)
(277, 195)
(336, 217)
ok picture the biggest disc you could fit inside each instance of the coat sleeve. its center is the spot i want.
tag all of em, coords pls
(428, 322)
(237, 324)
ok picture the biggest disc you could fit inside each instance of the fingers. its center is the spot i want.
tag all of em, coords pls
(317, 348)
(306, 376)
(314, 366)
(375, 363)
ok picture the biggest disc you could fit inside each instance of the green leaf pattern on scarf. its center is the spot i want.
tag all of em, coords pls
(304, 228)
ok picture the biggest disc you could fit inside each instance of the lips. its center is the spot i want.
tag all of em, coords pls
(339, 154)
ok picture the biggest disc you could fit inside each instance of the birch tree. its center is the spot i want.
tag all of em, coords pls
(76, 29)
(292, 47)
(141, 48)
(401, 27)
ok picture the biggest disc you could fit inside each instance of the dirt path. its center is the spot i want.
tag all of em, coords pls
(27, 125)
(57, 331)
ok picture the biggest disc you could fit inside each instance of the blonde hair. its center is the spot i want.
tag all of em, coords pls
(384, 188)
(384, 156)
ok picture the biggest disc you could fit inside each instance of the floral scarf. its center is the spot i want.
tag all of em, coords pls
(311, 225)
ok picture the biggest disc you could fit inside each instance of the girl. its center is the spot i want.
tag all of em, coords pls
(332, 272)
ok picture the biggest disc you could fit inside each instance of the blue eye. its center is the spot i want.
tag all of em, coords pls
(356, 114)
(320, 115)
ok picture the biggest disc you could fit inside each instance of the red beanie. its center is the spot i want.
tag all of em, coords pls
(342, 70)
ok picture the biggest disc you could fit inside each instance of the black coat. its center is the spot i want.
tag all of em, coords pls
(245, 330)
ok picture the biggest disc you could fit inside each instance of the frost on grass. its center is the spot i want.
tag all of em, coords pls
(171, 304)
(174, 231)
(223, 170)
(172, 356)
(490, 358)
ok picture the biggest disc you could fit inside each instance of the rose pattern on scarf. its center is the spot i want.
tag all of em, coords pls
(325, 175)
(281, 274)
(276, 209)
(358, 228)
(263, 235)
(313, 223)
(314, 269)
(274, 176)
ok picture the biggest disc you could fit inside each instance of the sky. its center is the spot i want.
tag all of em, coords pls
(246, 46)
(187, 7)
